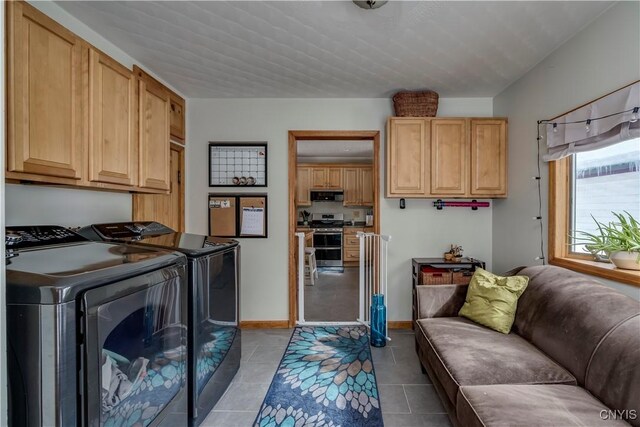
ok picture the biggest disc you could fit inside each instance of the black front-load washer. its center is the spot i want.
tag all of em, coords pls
(213, 303)
(96, 332)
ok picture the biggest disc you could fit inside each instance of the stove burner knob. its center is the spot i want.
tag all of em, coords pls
(11, 238)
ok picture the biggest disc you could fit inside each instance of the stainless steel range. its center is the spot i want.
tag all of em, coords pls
(327, 238)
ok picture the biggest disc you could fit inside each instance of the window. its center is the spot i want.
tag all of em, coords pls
(594, 183)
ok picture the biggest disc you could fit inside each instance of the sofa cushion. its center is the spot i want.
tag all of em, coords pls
(492, 300)
(461, 352)
(613, 374)
(531, 405)
(566, 315)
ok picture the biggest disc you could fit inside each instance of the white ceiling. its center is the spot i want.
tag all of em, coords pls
(335, 151)
(333, 48)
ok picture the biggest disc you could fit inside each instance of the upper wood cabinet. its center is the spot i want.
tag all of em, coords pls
(303, 184)
(488, 157)
(77, 117)
(45, 99)
(351, 186)
(176, 117)
(112, 121)
(446, 157)
(326, 178)
(153, 134)
(407, 157)
(358, 186)
(449, 157)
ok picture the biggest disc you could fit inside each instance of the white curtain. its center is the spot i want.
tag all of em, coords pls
(570, 138)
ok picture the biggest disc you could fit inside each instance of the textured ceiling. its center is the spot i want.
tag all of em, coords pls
(333, 48)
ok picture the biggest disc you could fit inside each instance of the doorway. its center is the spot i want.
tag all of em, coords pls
(334, 181)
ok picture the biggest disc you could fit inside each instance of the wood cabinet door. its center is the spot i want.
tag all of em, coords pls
(366, 187)
(449, 157)
(351, 187)
(45, 99)
(112, 121)
(318, 177)
(167, 209)
(153, 135)
(303, 184)
(177, 117)
(489, 157)
(334, 178)
(407, 157)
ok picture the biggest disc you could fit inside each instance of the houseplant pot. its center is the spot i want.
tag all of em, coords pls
(619, 241)
(626, 260)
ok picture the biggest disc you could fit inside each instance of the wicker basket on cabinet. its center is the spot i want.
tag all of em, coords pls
(461, 278)
(416, 104)
(436, 277)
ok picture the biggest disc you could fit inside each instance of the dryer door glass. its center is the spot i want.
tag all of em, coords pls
(138, 357)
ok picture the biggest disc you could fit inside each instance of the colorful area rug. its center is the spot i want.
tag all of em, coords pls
(325, 379)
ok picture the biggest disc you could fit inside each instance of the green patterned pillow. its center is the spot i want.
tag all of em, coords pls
(492, 300)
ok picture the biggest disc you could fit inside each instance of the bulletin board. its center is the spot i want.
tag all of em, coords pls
(238, 215)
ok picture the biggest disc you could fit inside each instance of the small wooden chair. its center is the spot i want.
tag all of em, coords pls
(310, 265)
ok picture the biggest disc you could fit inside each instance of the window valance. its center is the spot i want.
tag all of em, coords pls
(595, 125)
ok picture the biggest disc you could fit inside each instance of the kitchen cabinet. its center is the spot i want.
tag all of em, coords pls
(77, 117)
(446, 157)
(112, 121)
(45, 97)
(153, 135)
(358, 186)
(303, 184)
(407, 157)
(488, 157)
(351, 245)
(449, 157)
(176, 118)
(326, 178)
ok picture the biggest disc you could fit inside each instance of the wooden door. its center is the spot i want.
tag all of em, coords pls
(112, 121)
(318, 178)
(167, 209)
(449, 154)
(407, 157)
(366, 187)
(45, 100)
(334, 178)
(489, 157)
(351, 187)
(303, 184)
(153, 135)
(177, 117)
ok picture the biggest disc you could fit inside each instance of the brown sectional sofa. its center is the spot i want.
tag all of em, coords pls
(571, 359)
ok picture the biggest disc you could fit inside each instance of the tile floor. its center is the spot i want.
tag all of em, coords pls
(407, 397)
(333, 298)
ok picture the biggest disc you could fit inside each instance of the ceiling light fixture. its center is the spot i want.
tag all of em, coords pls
(370, 4)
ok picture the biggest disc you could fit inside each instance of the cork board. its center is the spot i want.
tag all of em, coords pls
(222, 216)
(253, 202)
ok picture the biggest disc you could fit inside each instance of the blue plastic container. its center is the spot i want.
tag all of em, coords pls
(378, 321)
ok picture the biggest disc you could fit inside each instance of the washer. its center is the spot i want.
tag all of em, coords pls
(213, 295)
(96, 332)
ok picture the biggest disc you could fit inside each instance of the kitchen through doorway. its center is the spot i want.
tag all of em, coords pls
(334, 193)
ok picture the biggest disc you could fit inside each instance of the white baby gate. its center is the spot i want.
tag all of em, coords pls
(373, 276)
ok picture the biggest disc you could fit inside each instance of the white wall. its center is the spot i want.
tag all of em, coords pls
(417, 231)
(601, 58)
(37, 204)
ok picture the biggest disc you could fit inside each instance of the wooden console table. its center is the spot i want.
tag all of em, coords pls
(466, 266)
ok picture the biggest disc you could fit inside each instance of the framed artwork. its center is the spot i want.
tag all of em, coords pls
(237, 164)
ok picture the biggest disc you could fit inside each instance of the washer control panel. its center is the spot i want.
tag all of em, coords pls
(29, 236)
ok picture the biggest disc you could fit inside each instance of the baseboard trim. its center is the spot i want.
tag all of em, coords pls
(400, 324)
(264, 324)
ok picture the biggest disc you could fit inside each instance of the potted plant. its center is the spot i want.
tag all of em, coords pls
(619, 241)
